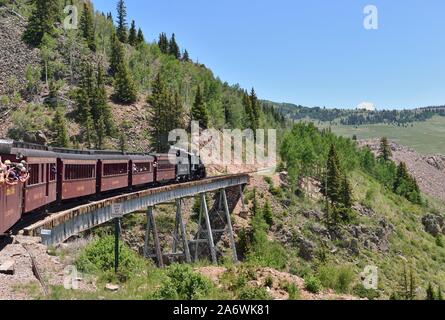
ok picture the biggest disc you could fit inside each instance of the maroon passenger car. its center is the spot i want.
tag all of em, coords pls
(113, 172)
(165, 170)
(142, 170)
(76, 176)
(37, 192)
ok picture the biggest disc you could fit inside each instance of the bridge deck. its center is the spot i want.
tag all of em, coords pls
(59, 227)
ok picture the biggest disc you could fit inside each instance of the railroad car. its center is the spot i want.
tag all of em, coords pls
(142, 170)
(165, 169)
(76, 175)
(113, 173)
(59, 175)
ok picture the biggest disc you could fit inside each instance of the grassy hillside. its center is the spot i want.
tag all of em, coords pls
(425, 137)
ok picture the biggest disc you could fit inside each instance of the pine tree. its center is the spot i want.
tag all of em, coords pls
(199, 111)
(267, 214)
(60, 130)
(255, 207)
(85, 94)
(346, 193)
(117, 54)
(122, 141)
(430, 294)
(140, 37)
(333, 177)
(132, 36)
(87, 26)
(100, 107)
(124, 86)
(166, 114)
(122, 27)
(89, 131)
(163, 43)
(177, 113)
(185, 56)
(405, 185)
(84, 99)
(100, 132)
(157, 111)
(439, 294)
(249, 123)
(173, 48)
(385, 153)
(45, 14)
(255, 116)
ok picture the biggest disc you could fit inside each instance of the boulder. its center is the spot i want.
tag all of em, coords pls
(8, 267)
(307, 249)
(313, 215)
(434, 224)
(321, 231)
(112, 287)
(37, 137)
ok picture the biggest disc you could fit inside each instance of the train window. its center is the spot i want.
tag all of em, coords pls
(79, 171)
(142, 167)
(114, 169)
(52, 172)
(34, 170)
(165, 165)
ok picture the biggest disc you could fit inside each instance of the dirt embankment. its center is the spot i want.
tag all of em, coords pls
(429, 170)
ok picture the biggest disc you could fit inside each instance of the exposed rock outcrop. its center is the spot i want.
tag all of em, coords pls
(434, 224)
(15, 54)
(429, 170)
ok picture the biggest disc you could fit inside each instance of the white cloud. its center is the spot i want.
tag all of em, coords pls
(368, 106)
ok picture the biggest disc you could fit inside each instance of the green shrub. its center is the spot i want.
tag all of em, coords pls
(371, 294)
(252, 293)
(344, 280)
(338, 278)
(268, 180)
(261, 250)
(269, 282)
(312, 284)
(292, 290)
(98, 257)
(440, 242)
(183, 283)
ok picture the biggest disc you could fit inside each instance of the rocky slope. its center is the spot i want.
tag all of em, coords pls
(15, 54)
(429, 170)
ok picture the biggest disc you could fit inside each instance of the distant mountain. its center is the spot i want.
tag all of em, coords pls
(356, 117)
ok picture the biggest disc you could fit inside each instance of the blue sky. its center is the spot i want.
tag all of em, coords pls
(312, 52)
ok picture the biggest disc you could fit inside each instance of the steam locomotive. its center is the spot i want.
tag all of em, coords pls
(59, 176)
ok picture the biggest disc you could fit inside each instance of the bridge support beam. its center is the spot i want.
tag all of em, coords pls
(151, 228)
(229, 225)
(180, 228)
(241, 192)
(205, 212)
